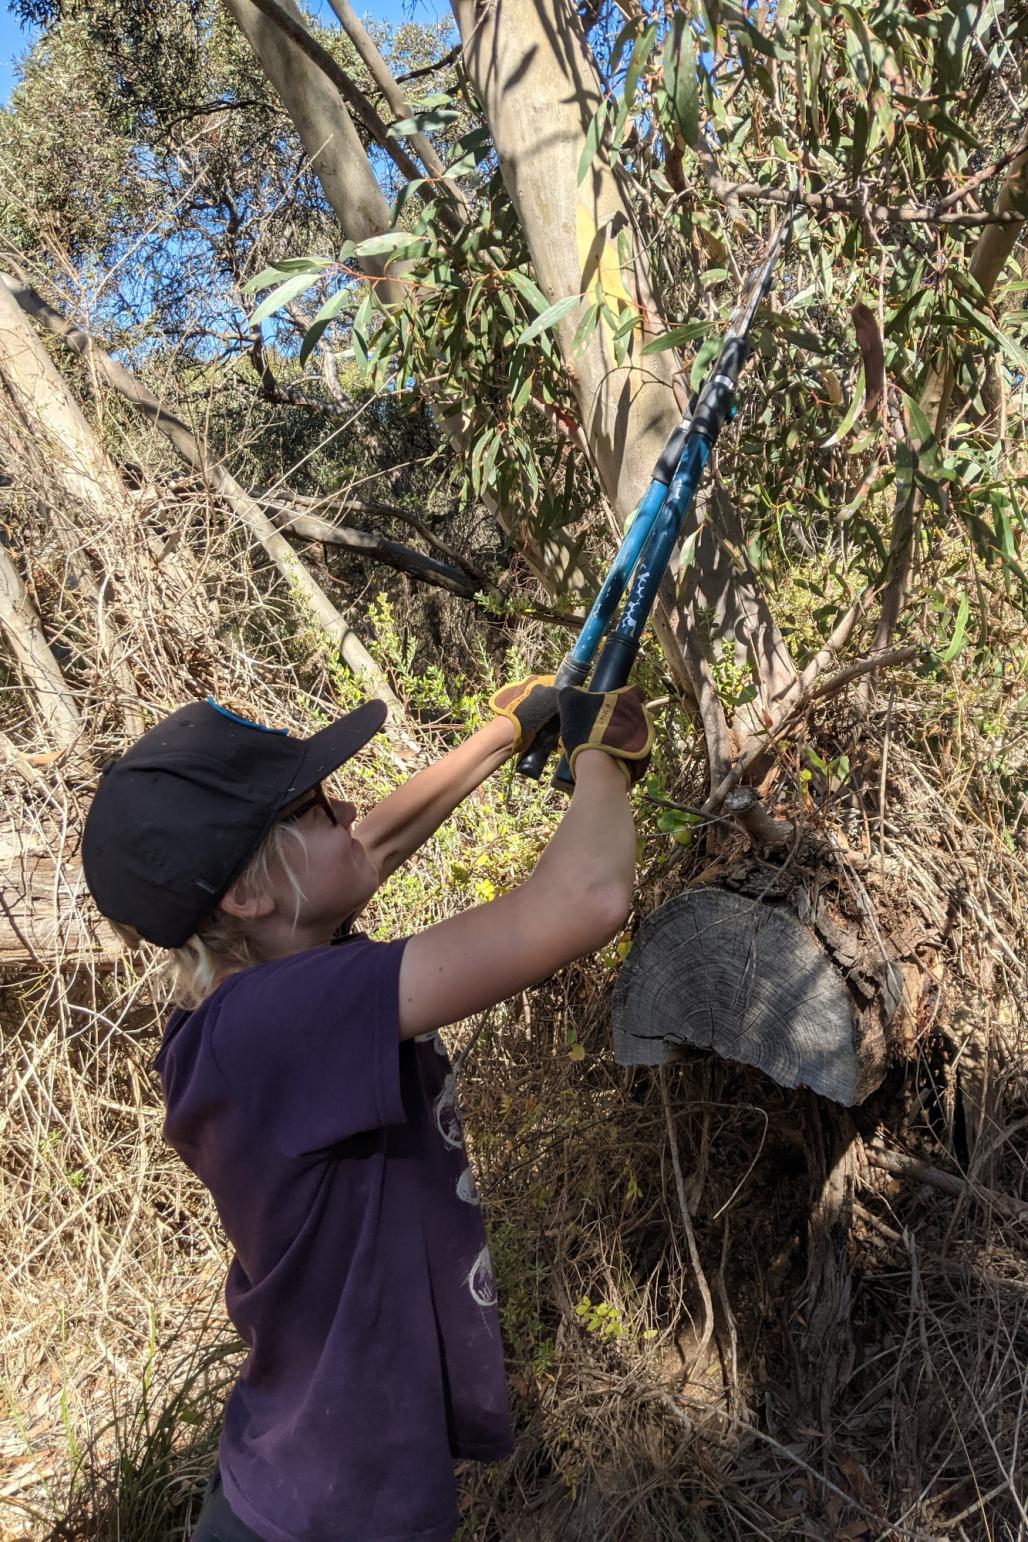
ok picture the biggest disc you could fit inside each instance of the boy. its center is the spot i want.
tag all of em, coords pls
(306, 1086)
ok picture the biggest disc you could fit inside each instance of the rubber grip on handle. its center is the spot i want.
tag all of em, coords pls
(613, 669)
(533, 761)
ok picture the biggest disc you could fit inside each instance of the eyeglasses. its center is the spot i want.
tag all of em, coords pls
(317, 799)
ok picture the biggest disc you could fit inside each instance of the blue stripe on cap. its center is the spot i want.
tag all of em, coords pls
(234, 717)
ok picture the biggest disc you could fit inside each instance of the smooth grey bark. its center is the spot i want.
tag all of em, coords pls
(337, 155)
(326, 130)
(532, 70)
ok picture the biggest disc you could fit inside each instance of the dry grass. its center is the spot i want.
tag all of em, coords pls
(668, 1361)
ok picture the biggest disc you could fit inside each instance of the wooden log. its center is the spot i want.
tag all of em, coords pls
(44, 915)
(716, 970)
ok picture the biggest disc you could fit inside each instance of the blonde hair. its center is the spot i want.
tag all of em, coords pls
(221, 945)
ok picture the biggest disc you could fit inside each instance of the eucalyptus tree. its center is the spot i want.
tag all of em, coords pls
(598, 213)
(544, 249)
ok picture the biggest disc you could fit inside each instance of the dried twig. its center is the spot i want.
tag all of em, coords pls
(903, 1166)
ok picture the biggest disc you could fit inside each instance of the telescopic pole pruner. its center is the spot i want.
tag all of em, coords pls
(651, 537)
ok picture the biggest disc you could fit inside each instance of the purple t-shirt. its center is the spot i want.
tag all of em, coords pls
(361, 1282)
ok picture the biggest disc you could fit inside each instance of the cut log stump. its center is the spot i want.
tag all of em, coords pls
(721, 971)
(45, 919)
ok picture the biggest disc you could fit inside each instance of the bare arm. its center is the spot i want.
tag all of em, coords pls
(403, 821)
(574, 901)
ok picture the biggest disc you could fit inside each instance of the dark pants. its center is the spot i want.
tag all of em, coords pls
(217, 1522)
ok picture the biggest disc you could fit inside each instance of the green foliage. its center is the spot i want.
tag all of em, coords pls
(884, 100)
(599, 1318)
(427, 691)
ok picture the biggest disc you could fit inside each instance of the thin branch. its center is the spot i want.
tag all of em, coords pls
(207, 109)
(878, 660)
(430, 69)
(838, 639)
(380, 74)
(310, 528)
(854, 206)
(979, 177)
(690, 1236)
(20, 623)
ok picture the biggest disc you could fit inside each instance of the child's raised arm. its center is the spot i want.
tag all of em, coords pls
(575, 900)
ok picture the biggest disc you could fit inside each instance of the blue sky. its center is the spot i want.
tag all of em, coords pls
(14, 41)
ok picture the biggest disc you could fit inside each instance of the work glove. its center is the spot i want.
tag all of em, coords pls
(529, 704)
(616, 722)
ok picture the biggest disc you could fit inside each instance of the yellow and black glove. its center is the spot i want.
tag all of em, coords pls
(529, 704)
(616, 722)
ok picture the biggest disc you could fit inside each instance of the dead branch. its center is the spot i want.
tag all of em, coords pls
(245, 508)
(79, 469)
(49, 693)
(903, 1166)
(310, 528)
(375, 508)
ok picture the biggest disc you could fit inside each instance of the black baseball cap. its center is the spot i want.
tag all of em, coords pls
(177, 817)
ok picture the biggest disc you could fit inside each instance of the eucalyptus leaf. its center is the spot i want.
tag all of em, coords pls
(427, 122)
(681, 78)
(281, 296)
(327, 314)
(593, 135)
(641, 52)
(956, 641)
(280, 270)
(395, 241)
(549, 317)
(678, 335)
(850, 415)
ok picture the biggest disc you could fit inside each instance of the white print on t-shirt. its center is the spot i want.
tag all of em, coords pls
(482, 1281)
(447, 1114)
(466, 1187)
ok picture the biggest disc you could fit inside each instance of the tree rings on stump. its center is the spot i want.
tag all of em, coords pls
(720, 971)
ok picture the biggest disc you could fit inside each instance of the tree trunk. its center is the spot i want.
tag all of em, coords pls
(337, 155)
(79, 473)
(532, 69)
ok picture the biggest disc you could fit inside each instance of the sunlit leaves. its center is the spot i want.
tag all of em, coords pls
(681, 81)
